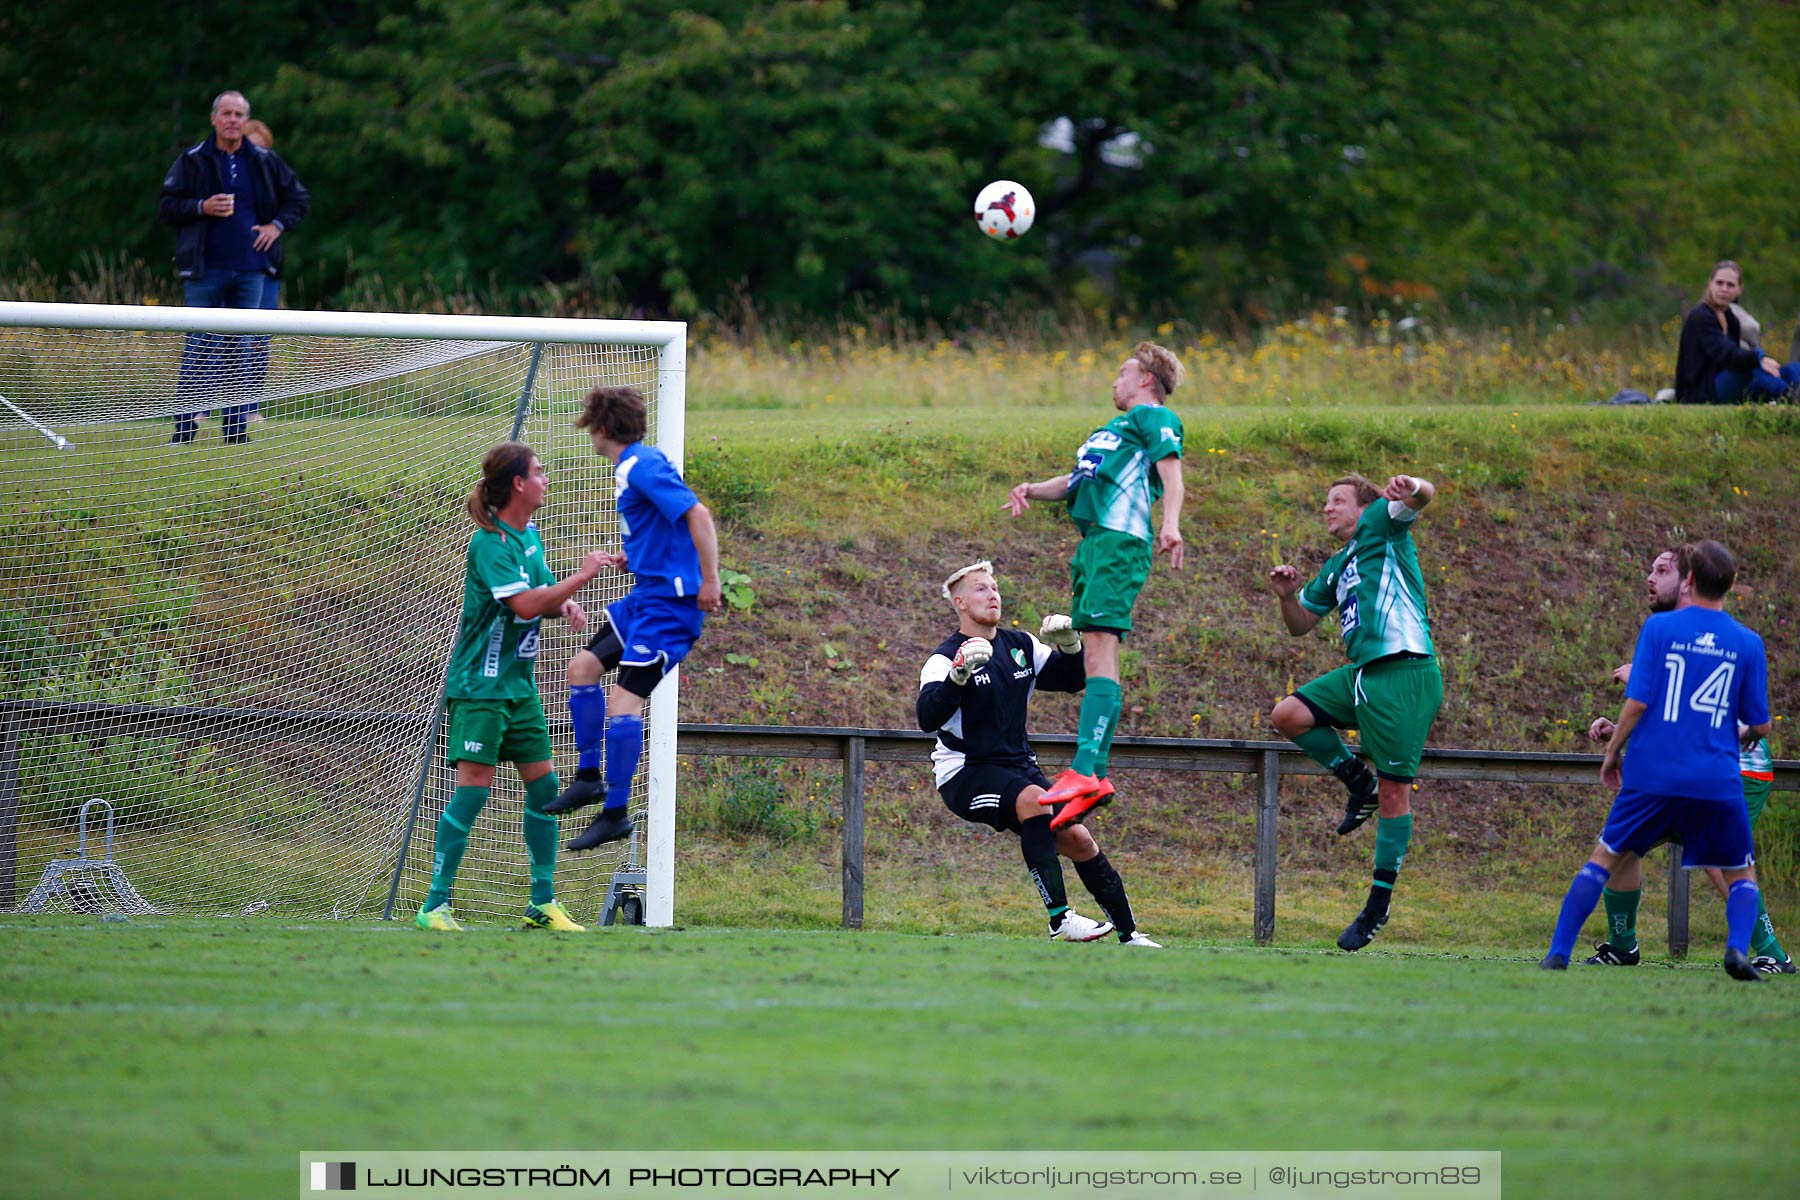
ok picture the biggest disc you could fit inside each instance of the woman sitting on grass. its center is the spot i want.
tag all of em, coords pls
(1711, 366)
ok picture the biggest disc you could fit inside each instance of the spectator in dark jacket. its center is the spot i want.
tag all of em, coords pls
(230, 202)
(1711, 367)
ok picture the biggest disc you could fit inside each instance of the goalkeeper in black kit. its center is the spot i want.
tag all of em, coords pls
(973, 693)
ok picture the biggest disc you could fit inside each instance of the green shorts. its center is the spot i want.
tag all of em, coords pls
(1109, 571)
(1391, 703)
(496, 731)
(1756, 795)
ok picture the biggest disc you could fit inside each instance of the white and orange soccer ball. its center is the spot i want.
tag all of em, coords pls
(1004, 210)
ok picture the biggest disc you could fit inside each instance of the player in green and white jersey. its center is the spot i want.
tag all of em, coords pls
(1123, 469)
(1667, 590)
(1391, 690)
(491, 688)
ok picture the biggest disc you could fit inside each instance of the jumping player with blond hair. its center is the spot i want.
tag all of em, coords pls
(1123, 469)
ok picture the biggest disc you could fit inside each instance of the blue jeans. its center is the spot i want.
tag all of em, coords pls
(1732, 387)
(259, 347)
(216, 364)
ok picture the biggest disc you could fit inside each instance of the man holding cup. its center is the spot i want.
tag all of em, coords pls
(230, 202)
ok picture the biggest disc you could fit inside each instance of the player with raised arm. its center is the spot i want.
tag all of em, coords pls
(1699, 675)
(973, 693)
(672, 549)
(491, 687)
(1391, 690)
(1123, 468)
(1668, 590)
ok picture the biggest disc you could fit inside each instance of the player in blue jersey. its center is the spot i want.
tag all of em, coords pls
(1668, 590)
(672, 549)
(1697, 674)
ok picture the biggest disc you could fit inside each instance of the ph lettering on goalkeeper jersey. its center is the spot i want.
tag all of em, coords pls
(1376, 586)
(496, 649)
(984, 720)
(1698, 672)
(1115, 481)
(653, 502)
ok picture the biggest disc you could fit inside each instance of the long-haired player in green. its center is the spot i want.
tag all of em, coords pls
(491, 690)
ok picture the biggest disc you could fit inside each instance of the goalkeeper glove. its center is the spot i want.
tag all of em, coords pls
(970, 656)
(1060, 632)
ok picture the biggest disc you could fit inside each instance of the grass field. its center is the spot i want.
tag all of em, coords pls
(194, 1058)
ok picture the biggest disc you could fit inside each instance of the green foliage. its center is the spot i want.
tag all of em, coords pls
(750, 798)
(738, 592)
(1778, 845)
(1230, 160)
(732, 488)
(25, 650)
(150, 787)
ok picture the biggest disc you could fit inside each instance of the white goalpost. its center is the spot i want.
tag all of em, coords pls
(230, 578)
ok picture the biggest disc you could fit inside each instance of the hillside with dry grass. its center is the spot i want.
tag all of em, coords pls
(1535, 554)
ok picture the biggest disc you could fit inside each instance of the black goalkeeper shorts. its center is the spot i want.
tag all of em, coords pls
(988, 794)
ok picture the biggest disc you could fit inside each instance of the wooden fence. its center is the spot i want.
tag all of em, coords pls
(1266, 761)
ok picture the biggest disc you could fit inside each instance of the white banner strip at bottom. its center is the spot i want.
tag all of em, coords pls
(907, 1175)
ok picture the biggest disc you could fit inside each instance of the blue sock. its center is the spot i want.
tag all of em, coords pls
(1740, 913)
(624, 744)
(1584, 893)
(587, 710)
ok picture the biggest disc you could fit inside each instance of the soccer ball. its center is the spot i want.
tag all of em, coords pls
(1004, 210)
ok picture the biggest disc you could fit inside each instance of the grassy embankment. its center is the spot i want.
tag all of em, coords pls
(851, 478)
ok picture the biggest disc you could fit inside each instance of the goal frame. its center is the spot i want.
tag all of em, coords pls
(668, 337)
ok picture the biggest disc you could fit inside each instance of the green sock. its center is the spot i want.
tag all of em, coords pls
(1762, 936)
(1112, 727)
(1098, 707)
(1391, 837)
(452, 839)
(1621, 917)
(540, 837)
(1323, 745)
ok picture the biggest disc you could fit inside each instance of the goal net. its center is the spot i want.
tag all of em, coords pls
(238, 640)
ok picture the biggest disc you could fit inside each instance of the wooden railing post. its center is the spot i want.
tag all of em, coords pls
(1678, 904)
(854, 751)
(9, 813)
(1268, 810)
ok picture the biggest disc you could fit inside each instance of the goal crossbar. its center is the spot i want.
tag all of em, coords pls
(668, 336)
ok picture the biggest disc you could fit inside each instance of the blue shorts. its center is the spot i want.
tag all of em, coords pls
(1712, 833)
(655, 630)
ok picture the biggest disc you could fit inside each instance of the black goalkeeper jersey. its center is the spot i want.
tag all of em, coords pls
(984, 720)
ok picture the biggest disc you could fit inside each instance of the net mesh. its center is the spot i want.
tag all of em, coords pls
(241, 646)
